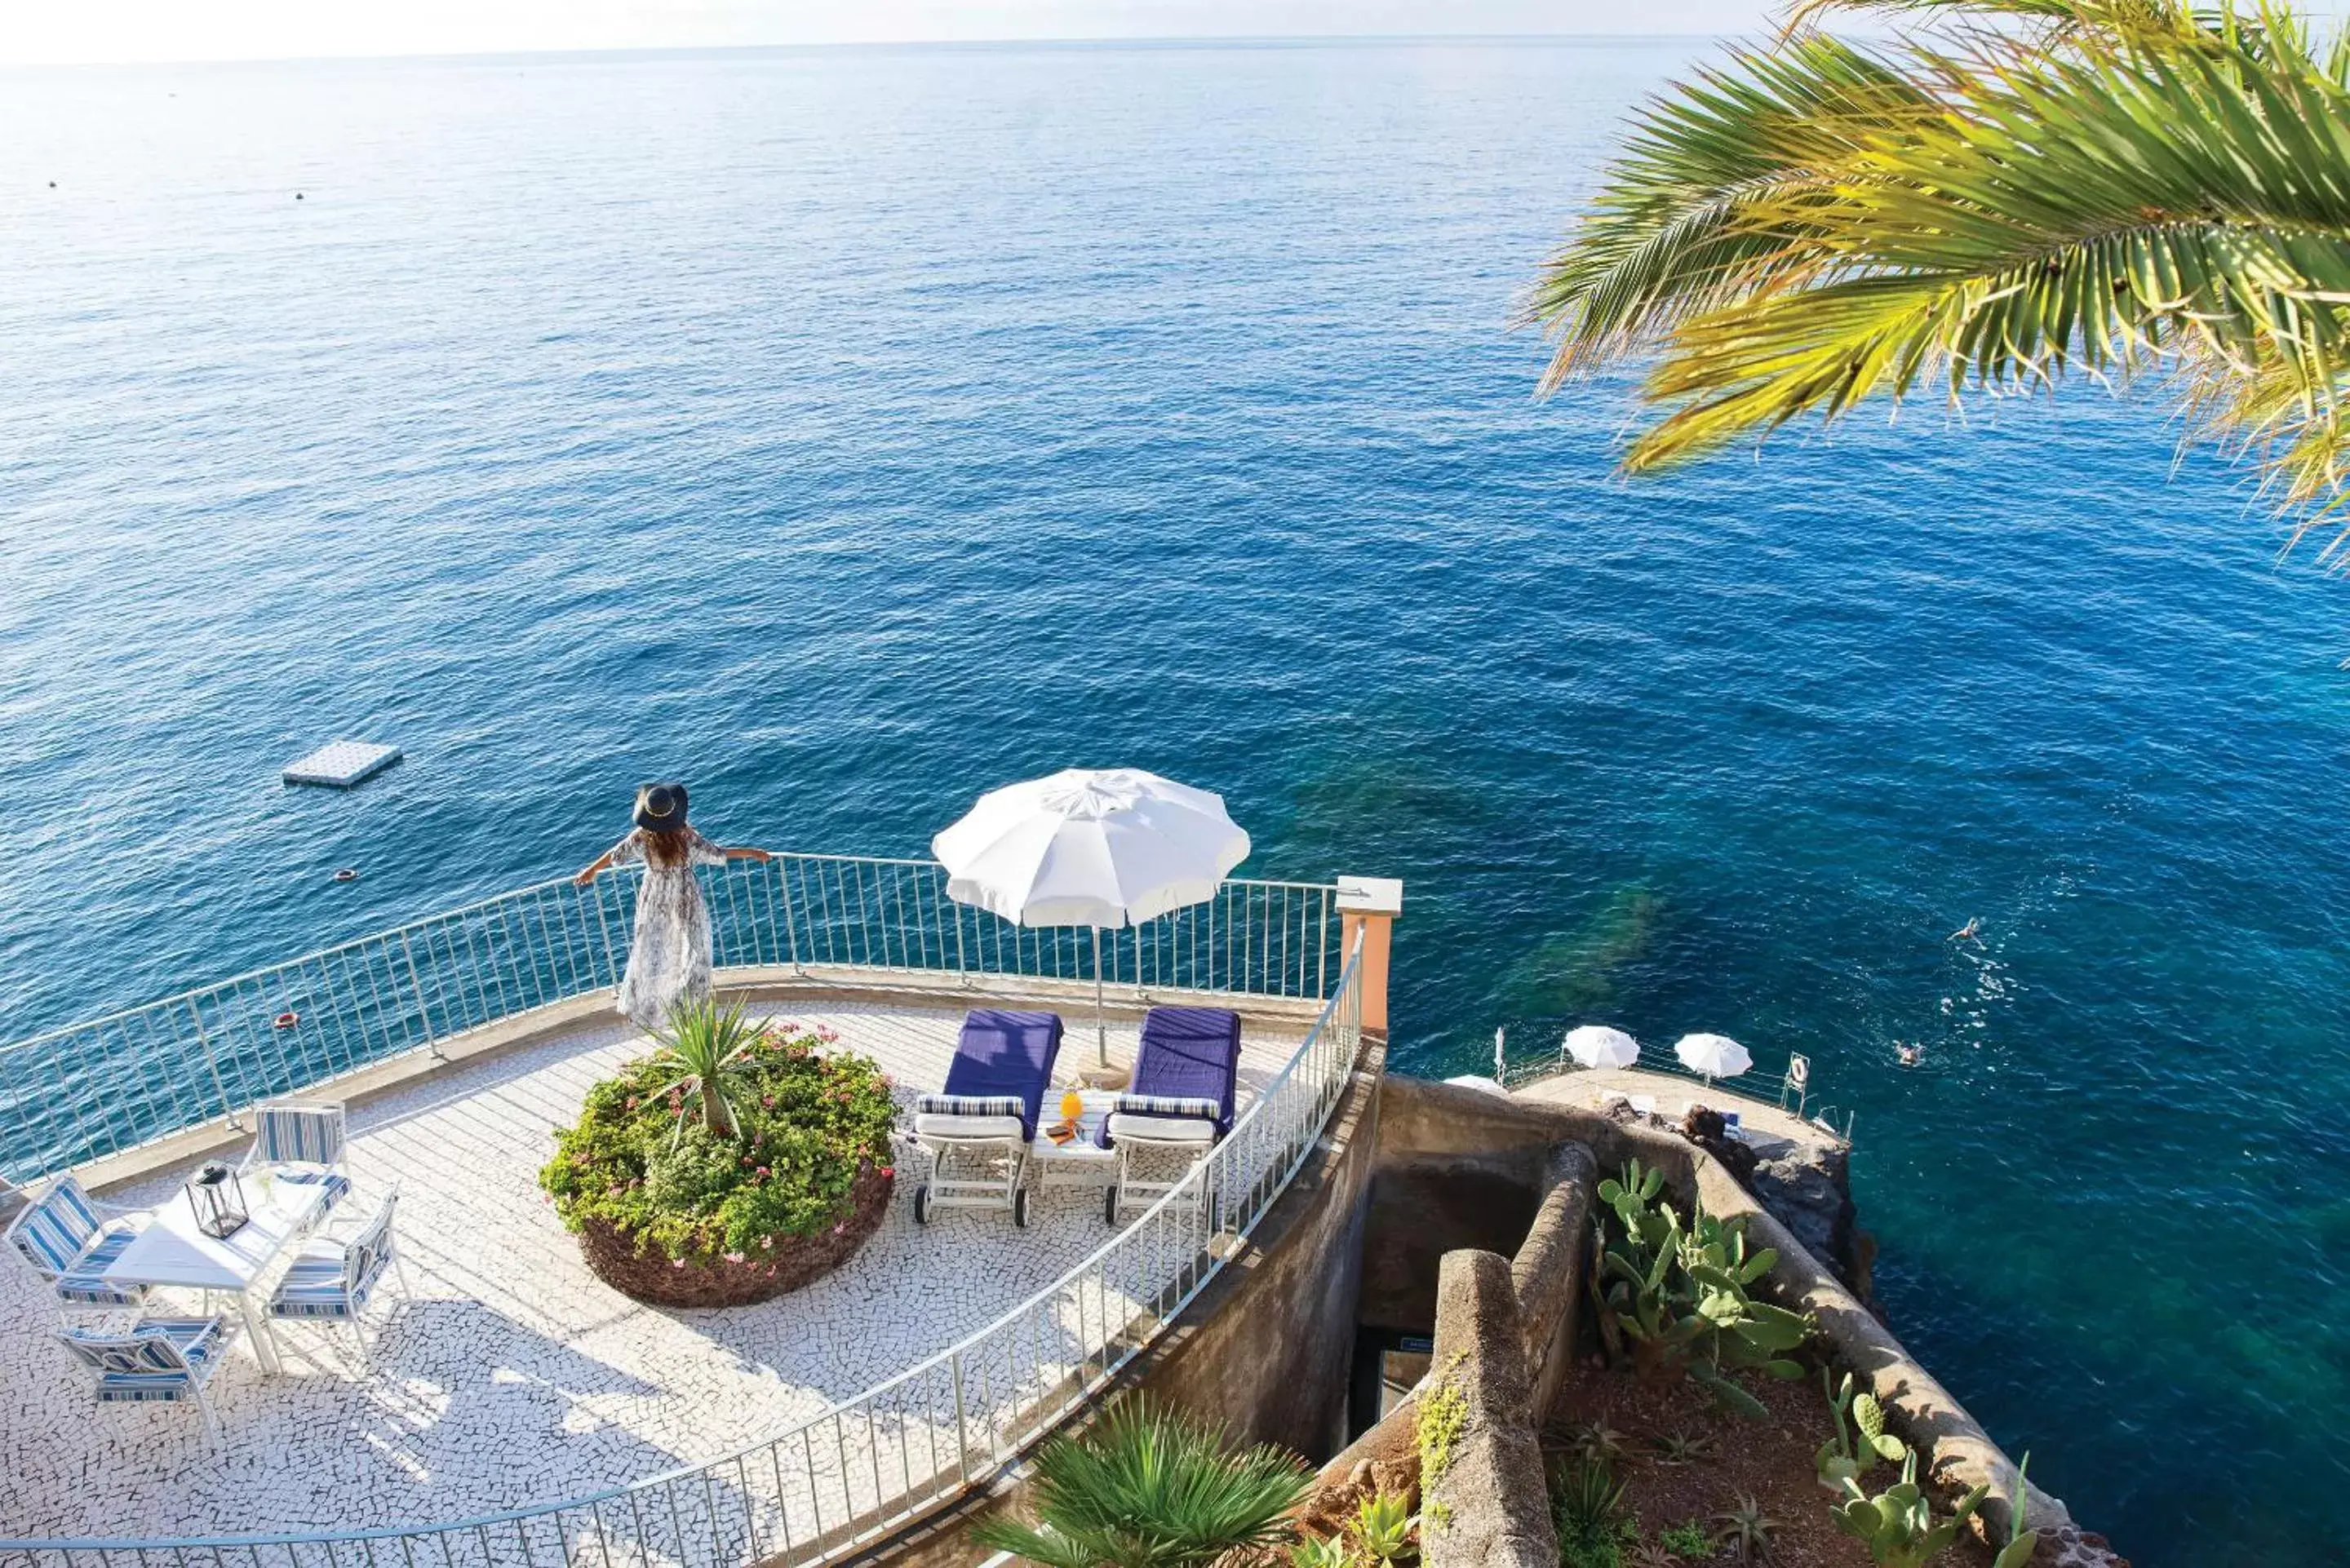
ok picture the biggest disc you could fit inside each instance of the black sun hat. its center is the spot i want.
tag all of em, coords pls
(660, 805)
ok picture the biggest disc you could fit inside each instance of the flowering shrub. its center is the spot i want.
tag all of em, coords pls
(808, 1124)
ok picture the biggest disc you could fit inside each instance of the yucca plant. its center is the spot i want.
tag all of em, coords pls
(1145, 1489)
(707, 1047)
(2011, 193)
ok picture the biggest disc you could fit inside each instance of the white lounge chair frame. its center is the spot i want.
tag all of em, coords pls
(980, 1164)
(1131, 1135)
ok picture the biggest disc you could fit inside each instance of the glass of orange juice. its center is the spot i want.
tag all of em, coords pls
(1072, 1106)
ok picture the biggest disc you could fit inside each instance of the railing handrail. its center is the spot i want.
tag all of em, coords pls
(1184, 1193)
(553, 884)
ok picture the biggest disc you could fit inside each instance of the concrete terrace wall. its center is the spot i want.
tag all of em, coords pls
(1504, 1139)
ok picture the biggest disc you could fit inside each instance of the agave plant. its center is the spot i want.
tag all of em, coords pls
(1746, 1527)
(707, 1047)
(2004, 195)
(1321, 1552)
(1145, 1489)
(1383, 1526)
(1679, 1448)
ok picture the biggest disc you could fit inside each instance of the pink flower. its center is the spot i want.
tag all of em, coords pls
(733, 1257)
(768, 1243)
(889, 1170)
(677, 1262)
(840, 1228)
(763, 1169)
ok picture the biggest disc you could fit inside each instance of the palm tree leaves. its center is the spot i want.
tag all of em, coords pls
(707, 1047)
(1809, 228)
(1144, 1489)
(1679, 227)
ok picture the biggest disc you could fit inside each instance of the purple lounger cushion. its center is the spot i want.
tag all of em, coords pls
(1191, 1052)
(1009, 1053)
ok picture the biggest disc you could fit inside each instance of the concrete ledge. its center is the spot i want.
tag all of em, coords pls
(1489, 1506)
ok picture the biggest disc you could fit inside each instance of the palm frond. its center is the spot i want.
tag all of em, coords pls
(2008, 216)
(1672, 234)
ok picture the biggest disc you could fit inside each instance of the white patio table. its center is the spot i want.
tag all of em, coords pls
(171, 1251)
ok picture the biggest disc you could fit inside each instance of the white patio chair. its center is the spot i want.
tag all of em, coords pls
(69, 1239)
(302, 1142)
(332, 1281)
(167, 1359)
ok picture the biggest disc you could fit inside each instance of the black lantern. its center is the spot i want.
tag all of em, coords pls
(218, 1198)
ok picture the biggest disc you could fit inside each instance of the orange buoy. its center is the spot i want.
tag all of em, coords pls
(286, 1020)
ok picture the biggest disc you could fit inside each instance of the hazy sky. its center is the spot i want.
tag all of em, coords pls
(43, 31)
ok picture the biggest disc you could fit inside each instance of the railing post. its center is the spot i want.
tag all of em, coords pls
(416, 990)
(212, 1063)
(963, 1443)
(1369, 906)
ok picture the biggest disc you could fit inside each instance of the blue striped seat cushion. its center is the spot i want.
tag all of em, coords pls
(162, 1358)
(52, 1233)
(83, 1283)
(313, 1287)
(1188, 1107)
(970, 1106)
(307, 1135)
(332, 1190)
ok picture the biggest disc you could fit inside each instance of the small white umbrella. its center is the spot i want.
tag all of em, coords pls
(1106, 847)
(1597, 1046)
(1715, 1055)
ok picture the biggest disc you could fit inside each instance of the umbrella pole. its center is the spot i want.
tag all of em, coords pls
(1101, 1023)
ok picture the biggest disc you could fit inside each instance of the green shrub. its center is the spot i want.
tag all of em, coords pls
(1687, 1538)
(804, 1124)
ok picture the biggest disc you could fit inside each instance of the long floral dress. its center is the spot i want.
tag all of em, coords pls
(669, 957)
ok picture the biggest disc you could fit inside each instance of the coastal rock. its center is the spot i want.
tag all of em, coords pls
(1808, 1188)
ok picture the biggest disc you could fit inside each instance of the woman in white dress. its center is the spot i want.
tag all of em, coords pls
(669, 957)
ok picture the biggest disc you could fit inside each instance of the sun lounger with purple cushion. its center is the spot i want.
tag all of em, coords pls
(977, 1128)
(1179, 1102)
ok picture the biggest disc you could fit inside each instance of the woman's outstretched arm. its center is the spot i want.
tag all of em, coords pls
(745, 852)
(601, 863)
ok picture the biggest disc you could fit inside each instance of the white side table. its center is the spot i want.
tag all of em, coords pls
(1080, 1162)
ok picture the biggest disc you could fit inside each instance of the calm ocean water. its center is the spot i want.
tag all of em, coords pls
(847, 431)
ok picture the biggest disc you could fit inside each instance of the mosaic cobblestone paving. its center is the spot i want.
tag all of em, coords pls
(514, 1376)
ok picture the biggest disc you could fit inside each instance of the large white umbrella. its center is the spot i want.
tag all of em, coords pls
(1715, 1055)
(1597, 1046)
(1105, 848)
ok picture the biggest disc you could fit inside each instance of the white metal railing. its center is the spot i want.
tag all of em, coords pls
(876, 1461)
(100, 1088)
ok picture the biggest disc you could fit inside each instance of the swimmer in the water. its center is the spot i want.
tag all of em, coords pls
(1969, 932)
(1908, 1054)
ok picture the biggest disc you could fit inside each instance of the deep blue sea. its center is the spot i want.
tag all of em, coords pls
(847, 431)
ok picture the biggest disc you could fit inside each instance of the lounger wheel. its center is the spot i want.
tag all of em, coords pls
(922, 1204)
(1020, 1209)
(1110, 1205)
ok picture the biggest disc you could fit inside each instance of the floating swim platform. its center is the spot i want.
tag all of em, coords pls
(339, 764)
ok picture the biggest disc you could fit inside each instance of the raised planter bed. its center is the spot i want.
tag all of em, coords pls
(647, 1275)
